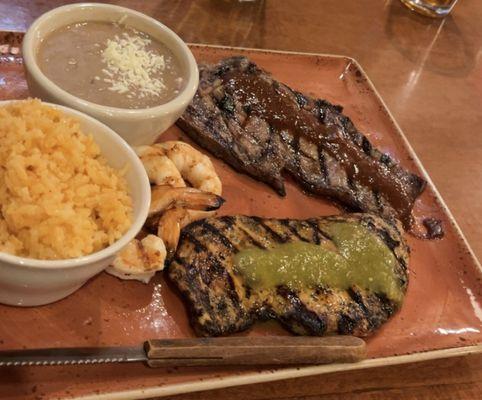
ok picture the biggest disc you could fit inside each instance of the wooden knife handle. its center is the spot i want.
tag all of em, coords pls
(257, 350)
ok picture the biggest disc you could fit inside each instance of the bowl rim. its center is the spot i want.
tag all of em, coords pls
(99, 110)
(138, 219)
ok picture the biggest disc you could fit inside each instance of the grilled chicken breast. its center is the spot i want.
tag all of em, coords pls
(263, 128)
(220, 301)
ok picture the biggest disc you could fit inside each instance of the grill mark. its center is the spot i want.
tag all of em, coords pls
(229, 220)
(386, 304)
(140, 248)
(404, 266)
(391, 243)
(296, 151)
(191, 281)
(358, 299)
(319, 232)
(251, 238)
(384, 235)
(216, 263)
(370, 223)
(198, 246)
(215, 231)
(323, 167)
(293, 230)
(180, 261)
(276, 235)
(208, 123)
(233, 294)
(326, 235)
(316, 236)
(308, 320)
(346, 324)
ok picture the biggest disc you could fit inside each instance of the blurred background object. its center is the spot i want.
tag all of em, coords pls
(431, 8)
(226, 22)
(424, 42)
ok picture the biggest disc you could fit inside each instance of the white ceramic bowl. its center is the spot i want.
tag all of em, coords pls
(137, 127)
(31, 282)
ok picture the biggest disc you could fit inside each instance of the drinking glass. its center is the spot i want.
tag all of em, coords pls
(431, 8)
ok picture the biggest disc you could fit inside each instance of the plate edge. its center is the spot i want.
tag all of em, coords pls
(270, 376)
(274, 51)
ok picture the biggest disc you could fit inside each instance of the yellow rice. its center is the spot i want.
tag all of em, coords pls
(58, 197)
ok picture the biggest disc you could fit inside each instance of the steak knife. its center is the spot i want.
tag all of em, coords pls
(257, 350)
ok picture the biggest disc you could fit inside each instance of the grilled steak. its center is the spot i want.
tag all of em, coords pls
(220, 300)
(262, 127)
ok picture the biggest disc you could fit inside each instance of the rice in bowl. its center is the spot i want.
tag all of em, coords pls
(59, 198)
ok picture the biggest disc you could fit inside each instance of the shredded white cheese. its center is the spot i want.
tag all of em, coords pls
(130, 66)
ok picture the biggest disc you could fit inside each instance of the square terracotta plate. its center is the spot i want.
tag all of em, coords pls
(441, 316)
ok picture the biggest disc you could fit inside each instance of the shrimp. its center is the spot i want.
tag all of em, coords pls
(173, 205)
(160, 169)
(173, 220)
(164, 197)
(140, 259)
(194, 166)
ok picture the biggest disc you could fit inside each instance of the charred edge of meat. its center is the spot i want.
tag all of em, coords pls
(298, 318)
(374, 320)
(201, 305)
(185, 279)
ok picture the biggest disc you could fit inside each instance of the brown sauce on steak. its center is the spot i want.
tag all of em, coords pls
(282, 114)
(263, 128)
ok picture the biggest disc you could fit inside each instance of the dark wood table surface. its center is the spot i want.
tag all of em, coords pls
(430, 74)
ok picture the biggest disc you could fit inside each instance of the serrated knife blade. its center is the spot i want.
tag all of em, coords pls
(72, 356)
(257, 350)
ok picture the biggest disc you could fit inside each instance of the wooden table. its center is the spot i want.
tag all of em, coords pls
(430, 74)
